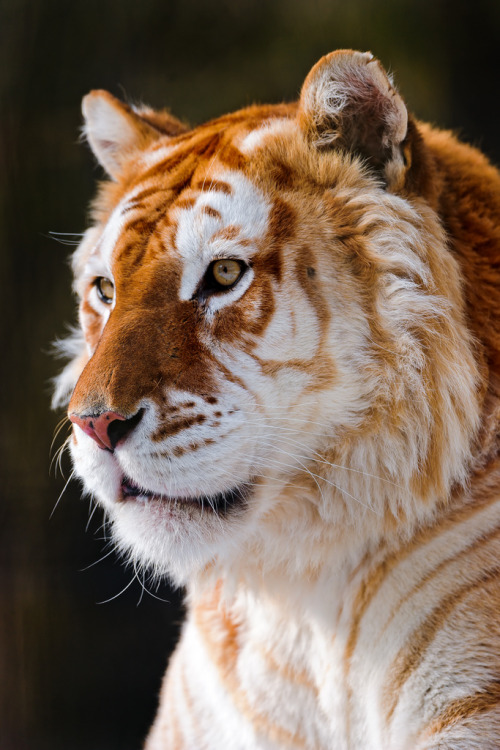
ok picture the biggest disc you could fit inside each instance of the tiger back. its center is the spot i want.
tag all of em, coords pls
(285, 396)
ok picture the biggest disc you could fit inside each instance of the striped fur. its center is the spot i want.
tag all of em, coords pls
(314, 448)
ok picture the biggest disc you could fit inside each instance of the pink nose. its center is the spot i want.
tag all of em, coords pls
(107, 429)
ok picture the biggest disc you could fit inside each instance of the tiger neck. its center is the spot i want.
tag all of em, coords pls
(323, 573)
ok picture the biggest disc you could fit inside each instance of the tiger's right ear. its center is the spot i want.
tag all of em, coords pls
(115, 131)
(349, 102)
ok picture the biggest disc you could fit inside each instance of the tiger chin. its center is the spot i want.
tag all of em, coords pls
(285, 394)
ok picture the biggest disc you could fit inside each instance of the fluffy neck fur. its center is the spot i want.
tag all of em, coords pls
(410, 460)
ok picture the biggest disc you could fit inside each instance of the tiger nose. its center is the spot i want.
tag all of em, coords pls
(108, 428)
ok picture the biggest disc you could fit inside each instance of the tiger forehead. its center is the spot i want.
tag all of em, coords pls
(222, 214)
(216, 194)
(215, 217)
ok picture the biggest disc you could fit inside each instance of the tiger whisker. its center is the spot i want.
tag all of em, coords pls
(96, 562)
(62, 493)
(57, 430)
(112, 598)
(57, 457)
(104, 528)
(282, 428)
(141, 583)
(208, 170)
(145, 588)
(265, 418)
(322, 460)
(323, 479)
(91, 515)
(64, 238)
(304, 467)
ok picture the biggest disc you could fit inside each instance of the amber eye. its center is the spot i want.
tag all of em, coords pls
(105, 289)
(221, 276)
(226, 272)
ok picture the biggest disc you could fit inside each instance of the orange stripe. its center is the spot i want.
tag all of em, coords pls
(221, 636)
(367, 590)
(288, 673)
(477, 544)
(408, 660)
(213, 185)
(209, 211)
(372, 582)
(465, 708)
(374, 579)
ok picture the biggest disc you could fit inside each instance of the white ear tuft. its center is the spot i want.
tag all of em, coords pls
(348, 101)
(113, 130)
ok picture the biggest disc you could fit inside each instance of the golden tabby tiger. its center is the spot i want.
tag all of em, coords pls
(287, 398)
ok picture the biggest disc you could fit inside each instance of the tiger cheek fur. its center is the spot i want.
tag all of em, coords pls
(285, 394)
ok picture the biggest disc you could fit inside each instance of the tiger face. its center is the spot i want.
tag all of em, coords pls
(273, 332)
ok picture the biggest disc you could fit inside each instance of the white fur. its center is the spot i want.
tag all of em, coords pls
(257, 137)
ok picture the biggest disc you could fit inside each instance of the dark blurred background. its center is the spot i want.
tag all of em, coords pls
(76, 674)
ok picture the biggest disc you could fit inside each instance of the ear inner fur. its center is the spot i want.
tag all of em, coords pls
(349, 102)
(114, 131)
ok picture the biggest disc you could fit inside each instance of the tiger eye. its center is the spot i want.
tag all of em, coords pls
(105, 289)
(227, 272)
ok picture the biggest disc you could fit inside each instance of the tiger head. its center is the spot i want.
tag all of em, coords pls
(273, 357)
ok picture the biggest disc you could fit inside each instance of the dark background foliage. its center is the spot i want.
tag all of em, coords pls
(76, 674)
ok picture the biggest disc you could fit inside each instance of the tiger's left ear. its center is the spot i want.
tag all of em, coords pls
(115, 131)
(348, 102)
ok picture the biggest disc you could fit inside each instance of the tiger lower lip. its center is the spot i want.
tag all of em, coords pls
(221, 502)
(130, 490)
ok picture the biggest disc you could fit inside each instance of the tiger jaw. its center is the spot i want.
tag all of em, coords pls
(162, 515)
(119, 477)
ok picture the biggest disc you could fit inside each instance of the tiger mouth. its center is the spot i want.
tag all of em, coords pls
(220, 503)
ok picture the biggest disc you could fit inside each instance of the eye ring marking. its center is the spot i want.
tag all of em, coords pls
(105, 289)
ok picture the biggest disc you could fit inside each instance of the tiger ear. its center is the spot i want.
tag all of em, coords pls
(114, 130)
(349, 102)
